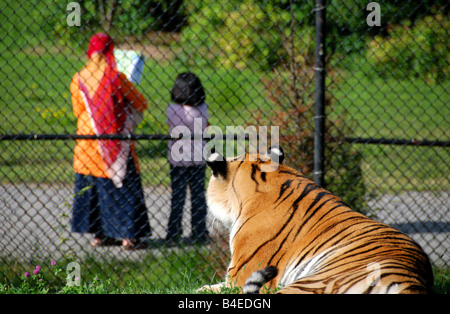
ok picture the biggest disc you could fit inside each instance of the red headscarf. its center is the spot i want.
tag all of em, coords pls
(101, 43)
(108, 105)
(107, 109)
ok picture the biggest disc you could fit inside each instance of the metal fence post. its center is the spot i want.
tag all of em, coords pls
(319, 115)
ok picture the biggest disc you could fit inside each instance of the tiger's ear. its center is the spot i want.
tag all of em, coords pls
(276, 154)
(217, 163)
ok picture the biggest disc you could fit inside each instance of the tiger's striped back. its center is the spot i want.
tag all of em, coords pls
(318, 244)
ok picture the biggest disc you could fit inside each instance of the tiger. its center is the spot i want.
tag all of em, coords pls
(298, 237)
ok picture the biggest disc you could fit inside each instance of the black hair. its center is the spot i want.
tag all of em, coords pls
(188, 90)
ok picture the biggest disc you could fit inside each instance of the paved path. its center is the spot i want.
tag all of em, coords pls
(35, 221)
(424, 216)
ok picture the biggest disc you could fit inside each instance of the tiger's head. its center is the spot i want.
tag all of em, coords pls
(237, 181)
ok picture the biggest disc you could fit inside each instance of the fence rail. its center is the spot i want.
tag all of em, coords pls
(357, 140)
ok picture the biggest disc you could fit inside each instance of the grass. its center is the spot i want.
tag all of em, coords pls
(392, 108)
(163, 271)
(441, 280)
(36, 99)
(171, 273)
(188, 283)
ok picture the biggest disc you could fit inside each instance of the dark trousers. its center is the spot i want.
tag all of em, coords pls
(101, 208)
(182, 177)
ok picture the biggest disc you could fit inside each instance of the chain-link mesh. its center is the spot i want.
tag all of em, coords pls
(391, 89)
(387, 84)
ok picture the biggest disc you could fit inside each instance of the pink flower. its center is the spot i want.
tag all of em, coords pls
(27, 274)
(53, 263)
(37, 270)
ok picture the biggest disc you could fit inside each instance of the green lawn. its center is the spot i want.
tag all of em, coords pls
(36, 99)
(176, 272)
(157, 271)
(393, 109)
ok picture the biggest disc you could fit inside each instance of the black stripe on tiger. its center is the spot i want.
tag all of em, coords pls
(255, 168)
(283, 188)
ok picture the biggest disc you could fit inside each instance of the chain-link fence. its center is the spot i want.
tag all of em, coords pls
(386, 122)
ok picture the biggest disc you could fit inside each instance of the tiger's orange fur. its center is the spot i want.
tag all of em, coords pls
(318, 244)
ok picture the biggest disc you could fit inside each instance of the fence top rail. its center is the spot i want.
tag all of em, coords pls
(68, 137)
(151, 137)
(384, 141)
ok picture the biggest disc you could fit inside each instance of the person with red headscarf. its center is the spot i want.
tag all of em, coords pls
(109, 200)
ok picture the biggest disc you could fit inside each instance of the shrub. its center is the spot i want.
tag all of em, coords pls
(413, 50)
(291, 92)
(240, 34)
(343, 163)
(119, 18)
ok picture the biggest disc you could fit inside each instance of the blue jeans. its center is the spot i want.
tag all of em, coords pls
(182, 177)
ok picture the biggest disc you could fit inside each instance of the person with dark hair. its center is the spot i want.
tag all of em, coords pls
(189, 112)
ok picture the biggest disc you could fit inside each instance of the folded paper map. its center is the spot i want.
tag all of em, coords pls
(130, 63)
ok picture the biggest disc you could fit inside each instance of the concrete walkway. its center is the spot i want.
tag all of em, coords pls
(35, 222)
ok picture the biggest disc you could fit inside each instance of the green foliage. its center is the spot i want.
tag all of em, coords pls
(160, 270)
(119, 18)
(243, 33)
(37, 284)
(417, 50)
(347, 30)
(50, 279)
(292, 95)
(344, 174)
(252, 32)
(441, 280)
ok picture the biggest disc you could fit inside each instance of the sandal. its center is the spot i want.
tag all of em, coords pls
(98, 242)
(133, 244)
